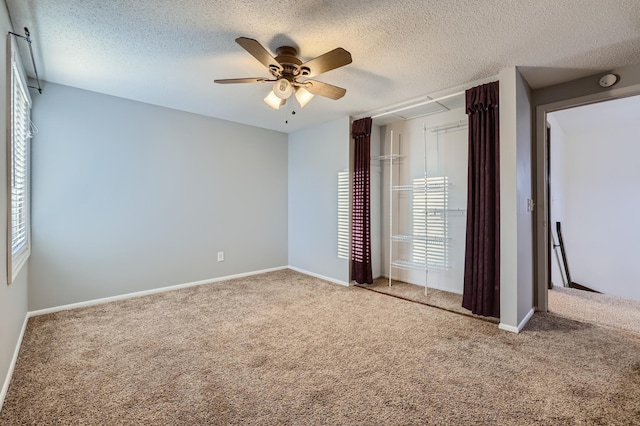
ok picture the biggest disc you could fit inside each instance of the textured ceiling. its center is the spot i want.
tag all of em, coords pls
(168, 52)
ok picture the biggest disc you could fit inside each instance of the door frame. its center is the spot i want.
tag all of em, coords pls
(541, 176)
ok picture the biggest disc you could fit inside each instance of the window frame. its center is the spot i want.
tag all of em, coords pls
(16, 80)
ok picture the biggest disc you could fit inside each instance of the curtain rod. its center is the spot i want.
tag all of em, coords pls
(27, 37)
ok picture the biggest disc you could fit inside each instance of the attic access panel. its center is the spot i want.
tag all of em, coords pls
(421, 110)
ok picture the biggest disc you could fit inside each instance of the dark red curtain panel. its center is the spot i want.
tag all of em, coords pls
(361, 210)
(481, 292)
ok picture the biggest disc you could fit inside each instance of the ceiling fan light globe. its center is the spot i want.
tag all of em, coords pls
(303, 96)
(282, 88)
(273, 100)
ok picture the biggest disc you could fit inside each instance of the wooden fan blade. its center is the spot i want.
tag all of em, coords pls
(259, 52)
(242, 80)
(324, 89)
(329, 61)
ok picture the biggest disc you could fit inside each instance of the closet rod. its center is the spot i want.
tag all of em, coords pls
(453, 125)
(430, 101)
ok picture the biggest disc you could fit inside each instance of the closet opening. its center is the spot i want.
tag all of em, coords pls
(419, 203)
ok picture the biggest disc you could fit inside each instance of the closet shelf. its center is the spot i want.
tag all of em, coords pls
(439, 187)
(412, 238)
(417, 266)
(391, 157)
(422, 203)
(448, 212)
(404, 188)
(406, 264)
(418, 194)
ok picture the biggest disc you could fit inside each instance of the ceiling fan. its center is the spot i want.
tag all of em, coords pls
(286, 69)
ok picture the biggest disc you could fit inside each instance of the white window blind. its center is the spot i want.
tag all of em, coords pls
(343, 215)
(430, 222)
(19, 221)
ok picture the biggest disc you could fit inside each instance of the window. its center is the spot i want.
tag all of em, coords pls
(430, 222)
(18, 164)
(343, 215)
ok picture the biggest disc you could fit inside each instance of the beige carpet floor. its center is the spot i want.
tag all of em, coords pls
(286, 349)
(595, 308)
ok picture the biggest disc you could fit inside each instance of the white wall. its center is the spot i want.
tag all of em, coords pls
(316, 155)
(129, 197)
(601, 208)
(516, 233)
(13, 298)
(446, 155)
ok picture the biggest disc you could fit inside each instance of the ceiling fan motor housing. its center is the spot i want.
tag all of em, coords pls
(287, 56)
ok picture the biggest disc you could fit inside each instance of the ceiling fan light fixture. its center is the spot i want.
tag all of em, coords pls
(303, 96)
(282, 88)
(286, 68)
(274, 101)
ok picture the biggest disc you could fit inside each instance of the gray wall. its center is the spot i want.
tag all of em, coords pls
(129, 196)
(525, 193)
(13, 298)
(316, 155)
(588, 87)
(516, 237)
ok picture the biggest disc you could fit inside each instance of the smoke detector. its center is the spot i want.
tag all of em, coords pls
(608, 80)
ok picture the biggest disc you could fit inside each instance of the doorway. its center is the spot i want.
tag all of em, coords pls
(593, 179)
(589, 184)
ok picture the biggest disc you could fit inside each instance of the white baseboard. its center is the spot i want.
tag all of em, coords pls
(14, 359)
(322, 277)
(520, 326)
(147, 292)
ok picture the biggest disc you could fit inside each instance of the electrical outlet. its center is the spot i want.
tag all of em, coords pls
(220, 256)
